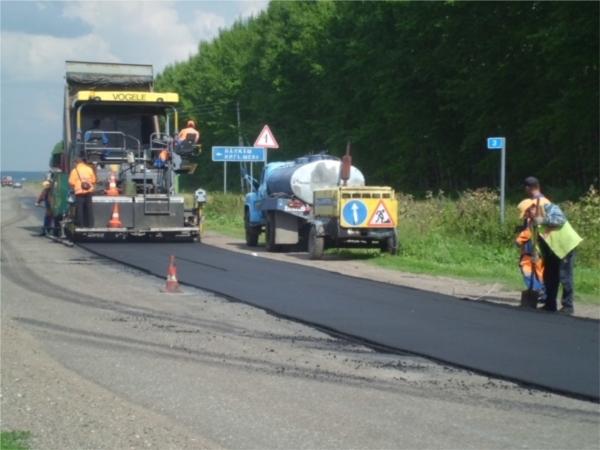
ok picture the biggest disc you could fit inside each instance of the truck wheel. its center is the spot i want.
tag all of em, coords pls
(270, 230)
(251, 233)
(316, 244)
(389, 245)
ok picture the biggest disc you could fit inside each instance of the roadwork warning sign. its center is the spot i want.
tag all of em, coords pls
(381, 217)
(266, 139)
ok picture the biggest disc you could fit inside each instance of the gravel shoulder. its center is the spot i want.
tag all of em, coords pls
(94, 356)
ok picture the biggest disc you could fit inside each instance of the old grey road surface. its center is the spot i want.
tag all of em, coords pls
(93, 356)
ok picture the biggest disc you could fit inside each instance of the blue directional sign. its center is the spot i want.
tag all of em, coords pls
(238, 154)
(355, 212)
(495, 143)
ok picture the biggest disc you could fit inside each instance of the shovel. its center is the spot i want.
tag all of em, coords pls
(530, 296)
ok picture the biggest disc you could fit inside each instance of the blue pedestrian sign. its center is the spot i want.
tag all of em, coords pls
(355, 212)
(495, 143)
(238, 154)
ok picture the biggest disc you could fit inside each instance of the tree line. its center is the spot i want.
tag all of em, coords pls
(416, 86)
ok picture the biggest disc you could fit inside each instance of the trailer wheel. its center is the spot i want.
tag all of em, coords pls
(251, 233)
(389, 245)
(316, 244)
(270, 230)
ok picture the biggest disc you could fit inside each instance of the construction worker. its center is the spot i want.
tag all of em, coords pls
(190, 129)
(82, 180)
(95, 133)
(532, 267)
(45, 198)
(532, 188)
(161, 161)
(557, 242)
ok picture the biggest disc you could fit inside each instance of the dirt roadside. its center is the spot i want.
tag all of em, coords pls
(467, 290)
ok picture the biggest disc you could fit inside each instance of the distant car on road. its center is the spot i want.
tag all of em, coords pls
(17, 185)
(7, 181)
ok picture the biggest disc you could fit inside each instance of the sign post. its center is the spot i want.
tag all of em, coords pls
(237, 154)
(495, 144)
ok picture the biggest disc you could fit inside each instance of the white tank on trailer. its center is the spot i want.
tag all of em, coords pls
(303, 176)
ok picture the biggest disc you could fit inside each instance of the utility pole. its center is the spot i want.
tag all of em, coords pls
(240, 143)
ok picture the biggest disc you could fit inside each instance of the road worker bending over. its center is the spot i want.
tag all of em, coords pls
(531, 265)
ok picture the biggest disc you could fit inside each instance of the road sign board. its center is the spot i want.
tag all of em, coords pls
(238, 154)
(381, 216)
(266, 139)
(355, 212)
(495, 143)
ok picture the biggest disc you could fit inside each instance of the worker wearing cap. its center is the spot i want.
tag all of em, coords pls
(82, 180)
(557, 242)
(532, 188)
(531, 265)
(45, 197)
(190, 129)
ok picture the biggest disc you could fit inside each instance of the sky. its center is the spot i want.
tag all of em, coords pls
(37, 37)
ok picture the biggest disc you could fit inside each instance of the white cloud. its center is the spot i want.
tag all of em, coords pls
(121, 31)
(253, 7)
(205, 25)
(145, 32)
(27, 57)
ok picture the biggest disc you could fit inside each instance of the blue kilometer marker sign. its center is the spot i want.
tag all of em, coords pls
(495, 143)
(238, 154)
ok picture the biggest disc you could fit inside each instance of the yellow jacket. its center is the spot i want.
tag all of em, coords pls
(82, 173)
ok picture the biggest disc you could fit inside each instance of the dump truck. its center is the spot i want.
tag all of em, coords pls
(322, 201)
(134, 152)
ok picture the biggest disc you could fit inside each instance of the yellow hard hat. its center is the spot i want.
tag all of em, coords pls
(528, 203)
(46, 184)
(524, 206)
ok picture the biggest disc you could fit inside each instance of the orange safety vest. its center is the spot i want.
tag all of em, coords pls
(82, 173)
(164, 155)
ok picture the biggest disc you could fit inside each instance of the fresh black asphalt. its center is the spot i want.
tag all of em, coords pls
(548, 350)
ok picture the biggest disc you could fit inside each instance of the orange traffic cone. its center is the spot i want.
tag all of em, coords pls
(172, 286)
(112, 188)
(115, 222)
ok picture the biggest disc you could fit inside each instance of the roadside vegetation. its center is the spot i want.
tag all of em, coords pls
(416, 86)
(460, 237)
(14, 440)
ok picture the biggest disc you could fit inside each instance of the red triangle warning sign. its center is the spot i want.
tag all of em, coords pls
(266, 139)
(381, 217)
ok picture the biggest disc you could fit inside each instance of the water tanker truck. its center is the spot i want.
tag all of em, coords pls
(133, 152)
(323, 200)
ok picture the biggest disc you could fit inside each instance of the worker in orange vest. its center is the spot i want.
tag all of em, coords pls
(162, 158)
(190, 129)
(531, 265)
(82, 180)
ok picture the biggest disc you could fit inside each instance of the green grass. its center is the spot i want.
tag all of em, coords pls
(14, 440)
(442, 237)
(476, 269)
